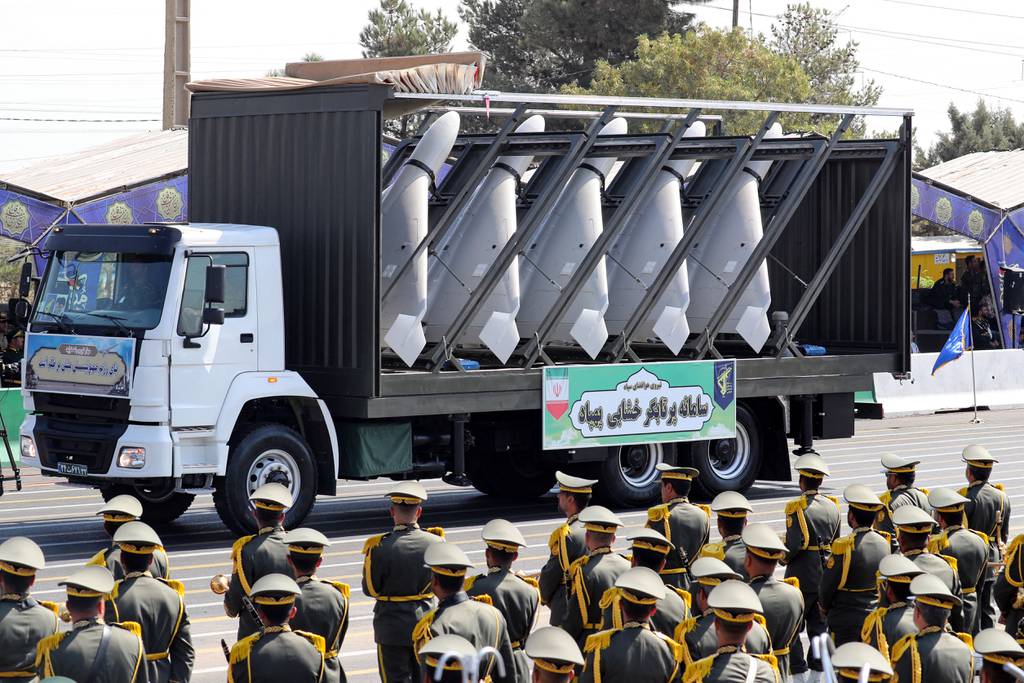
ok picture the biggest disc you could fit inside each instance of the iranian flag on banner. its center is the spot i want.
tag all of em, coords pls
(556, 391)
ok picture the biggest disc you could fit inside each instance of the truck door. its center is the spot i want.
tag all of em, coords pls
(203, 367)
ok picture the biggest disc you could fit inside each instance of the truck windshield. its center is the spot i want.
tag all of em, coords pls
(103, 289)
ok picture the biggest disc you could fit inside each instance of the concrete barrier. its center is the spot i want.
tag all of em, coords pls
(1000, 383)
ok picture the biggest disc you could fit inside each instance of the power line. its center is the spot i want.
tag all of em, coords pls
(943, 85)
(956, 9)
(38, 120)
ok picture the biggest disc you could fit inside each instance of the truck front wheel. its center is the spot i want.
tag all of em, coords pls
(629, 476)
(267, 454)
(730, 464)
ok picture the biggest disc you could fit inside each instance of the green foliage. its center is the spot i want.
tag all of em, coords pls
(308, 57)
(983, 130)
(395, 30)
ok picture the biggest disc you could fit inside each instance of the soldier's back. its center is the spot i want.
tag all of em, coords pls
(783, 606)
(730, 666)
(820, 515)
(701, 641)
(516, 597)
(687, 525)
(322, 608)
(160, 567)
(986, 508)
(943, 658)
(479, 623)
(74, 655)
(567, 544)
(254, 557)
(396, 570)
(671, 611)
(940, 567)
(276, 656)
(23, 623)
(636, 654)
(152, 604)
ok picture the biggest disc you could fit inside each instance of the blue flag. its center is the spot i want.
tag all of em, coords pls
(960, 340)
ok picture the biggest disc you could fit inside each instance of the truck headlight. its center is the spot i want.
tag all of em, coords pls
(131, 457)
(28, 448)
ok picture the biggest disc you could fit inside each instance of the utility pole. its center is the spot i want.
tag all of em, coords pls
(177, 62)
(735, 13)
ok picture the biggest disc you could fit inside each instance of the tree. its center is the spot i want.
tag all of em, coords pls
(983, 130)
(395, 30)
(707, 64)
(308, 57)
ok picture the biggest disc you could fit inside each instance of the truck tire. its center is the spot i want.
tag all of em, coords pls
(730, 464)
(160, 505)
(511, 475)
(266, 454)
(629, 476)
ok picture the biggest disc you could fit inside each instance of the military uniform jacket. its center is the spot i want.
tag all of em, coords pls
(932, 655)
(517, 598)
(72, 653)
(886, 625)
(110, 558)
(730, 550)
(567, 544)
(728, 665)
(686, 525)
(394, 575)
(988, 511)
(252, 558)
(475, 620)
(897, 498)
(670, 611)
(812, 524)
(699, 640)
(941, 566)
(1008, 591)
(783, 605)
(158, 606)
(24, 621)
(279, 654)
(848, 581)
(592, 575)
(632, 653)
(322, 609)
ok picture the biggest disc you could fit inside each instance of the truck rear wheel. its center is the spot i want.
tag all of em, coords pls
(629, 476)
(510, 475)
(267, 454)
(730, 464)
(160, 504)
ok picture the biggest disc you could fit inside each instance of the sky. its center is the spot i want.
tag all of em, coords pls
(97, 67)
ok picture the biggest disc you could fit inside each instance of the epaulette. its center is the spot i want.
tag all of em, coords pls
(317, 641)
(963, 491)
(705, 508)
(699, 670)
(1013, 562)
(240, 651)
(1000, 487)
(52, 606)
(98, 560)
(884, 534)
(486, 599)
(796, 505)
(685, 627)
(48, 645)
(436, 530)
(530, 580)
(599, 640)
(372, 542)
(886, 497)
(176, 585)
(657, 513)
(834, 499)
(982, 535)
(951, 561)
(133, 627)
(901, 646)
(770, 660)
(343, 588)
(685, 595)
(715, 550)
(923, 490)
(116, 590)
(579, 563)
(678, 650)
(842, 545)
(421, 631)
(470, 580)
(792, 581)
(759, 619)
(236, 549)
(965, 638)
(937, 542)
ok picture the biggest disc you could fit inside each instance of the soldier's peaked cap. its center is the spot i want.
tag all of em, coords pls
(446, 558)
(734, 601)
(275, 589)
(407, 493)
(651, 539)
(571, 484)
(912, 518)
(503, 535)
(712, 571)
(898, 567)
(731, 502)
(304, 536)
(122, 508)
(929, 589)
(273, 496)
(554, 650)
(641, 585)
(763, 542)
(811, 465)
(434, 650)
(997, 646)
(23, 552)
(946, 500)
(137, 537)
(861, 497)
(601, 519)
(850, 658)
(978, 456)
(89, 582)
(894, 463)
(676, 472)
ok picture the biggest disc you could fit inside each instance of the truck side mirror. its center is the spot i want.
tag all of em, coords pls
(25, 280)
(215, 284)
(213, 316)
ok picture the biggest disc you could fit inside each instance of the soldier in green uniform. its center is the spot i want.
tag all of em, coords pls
(117, 511)
(453, 654)
(634, 651)
(683, 523)
(968, 547)
(1009, 586)
(988, 511)
(594, 573)
(697, 634)
(996, 647)
(475, 619)
(157, 605)
(899, 480)
(812, 523)
(514, 595)
(322, 606)
(781, 601)
(932, 654)
(24, 621)
(848, 593)
(93, 650)
(555, 655)
(566, 545)
(731, 509)
(396, 578)
(849, 660)
(735, 606)
(253, 557)
(649, 549)
(913, 527)
(275, 652)
(895, 619)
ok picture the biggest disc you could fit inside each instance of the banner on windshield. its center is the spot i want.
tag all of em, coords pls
(77, 364)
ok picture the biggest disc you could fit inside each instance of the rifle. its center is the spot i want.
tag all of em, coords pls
(253, 614)
(227, 650)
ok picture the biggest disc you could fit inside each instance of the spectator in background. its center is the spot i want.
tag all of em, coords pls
(973, 282)
(10, 360)
(984, 336)
(945, 294)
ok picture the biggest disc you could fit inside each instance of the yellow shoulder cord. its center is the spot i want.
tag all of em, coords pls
(335, 644)
(579, 587)
(367, 573)
(236, 555)
(847, 561)
(612, 598)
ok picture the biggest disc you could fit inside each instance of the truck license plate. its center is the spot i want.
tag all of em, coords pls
(72, 469)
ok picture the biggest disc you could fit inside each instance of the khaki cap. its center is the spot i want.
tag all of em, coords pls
(407, 493)
(997, 646)
(651, 539)
(897, 465)
(554, 650)
(946, 500)
(601, 519)
(763, 542)
(306, 541)
(571, 484)
(898, 568)
(21, 556)
(812, 465)
(435, 649)
(89, 582)
(138, 538)
(850, 658)
(734, 601)
(711, 571)
(275, 589)
(930, 590)
(502, 534)
(676, 472)
(446, 559)
(122, 508)
(978, 456)
(731, 504)
(862, 498)
(273, 497)
(641, 585)
(911, 519)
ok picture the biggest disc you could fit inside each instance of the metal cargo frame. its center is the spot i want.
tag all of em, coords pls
(836, 215)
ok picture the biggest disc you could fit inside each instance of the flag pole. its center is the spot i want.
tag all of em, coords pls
(974, 381)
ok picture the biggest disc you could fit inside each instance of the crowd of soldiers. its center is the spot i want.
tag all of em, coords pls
(909, 596)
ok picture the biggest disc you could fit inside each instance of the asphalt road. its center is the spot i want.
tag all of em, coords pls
(62, 520)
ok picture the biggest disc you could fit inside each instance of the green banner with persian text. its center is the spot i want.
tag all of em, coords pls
(636, 403)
